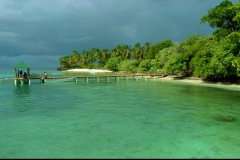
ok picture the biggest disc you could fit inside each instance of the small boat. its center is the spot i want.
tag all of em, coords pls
(56, 80)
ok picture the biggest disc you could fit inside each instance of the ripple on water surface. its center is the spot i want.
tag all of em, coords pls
(118, 119)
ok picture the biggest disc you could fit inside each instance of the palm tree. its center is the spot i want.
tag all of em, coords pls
(75, 58)
(116, 52)
(126, 52)
(146, 48)
(84, 58)
(138, 52)
(64, 62)
(105, 55)
(96, 54)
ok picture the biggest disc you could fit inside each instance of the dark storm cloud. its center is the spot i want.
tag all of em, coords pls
(41, 31)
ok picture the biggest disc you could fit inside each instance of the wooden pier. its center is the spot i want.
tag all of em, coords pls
(22, 75)
(101, 76)
(77, 76)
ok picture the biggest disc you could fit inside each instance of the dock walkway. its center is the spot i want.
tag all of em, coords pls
(106, 76)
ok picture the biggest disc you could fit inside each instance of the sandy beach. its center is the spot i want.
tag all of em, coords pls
(203, 83)
(88, 70)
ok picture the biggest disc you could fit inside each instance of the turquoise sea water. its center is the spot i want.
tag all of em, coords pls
(118, 119)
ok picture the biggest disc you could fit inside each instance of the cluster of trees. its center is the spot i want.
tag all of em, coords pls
(213, 57)
(130, 58)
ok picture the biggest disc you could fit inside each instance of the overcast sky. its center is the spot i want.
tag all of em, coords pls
(39, 32)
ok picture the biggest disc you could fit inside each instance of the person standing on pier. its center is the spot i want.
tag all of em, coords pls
(16, 72)
(21, 73)
(45, 74)
(25, 75)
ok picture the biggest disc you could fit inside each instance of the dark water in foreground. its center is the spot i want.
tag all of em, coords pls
(118, 119)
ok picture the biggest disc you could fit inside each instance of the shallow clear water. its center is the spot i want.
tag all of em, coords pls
(118, 119)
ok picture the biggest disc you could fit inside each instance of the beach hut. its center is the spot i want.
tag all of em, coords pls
(22, 73)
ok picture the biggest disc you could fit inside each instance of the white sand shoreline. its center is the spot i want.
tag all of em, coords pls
(203, 83)
(88, 70)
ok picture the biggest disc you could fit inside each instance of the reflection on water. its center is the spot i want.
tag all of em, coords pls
(21, 101)
(22, 90)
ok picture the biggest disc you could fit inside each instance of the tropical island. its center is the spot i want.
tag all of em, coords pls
(214, 57)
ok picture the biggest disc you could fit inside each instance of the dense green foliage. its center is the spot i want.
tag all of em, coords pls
(113, 63)
(213, 57)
